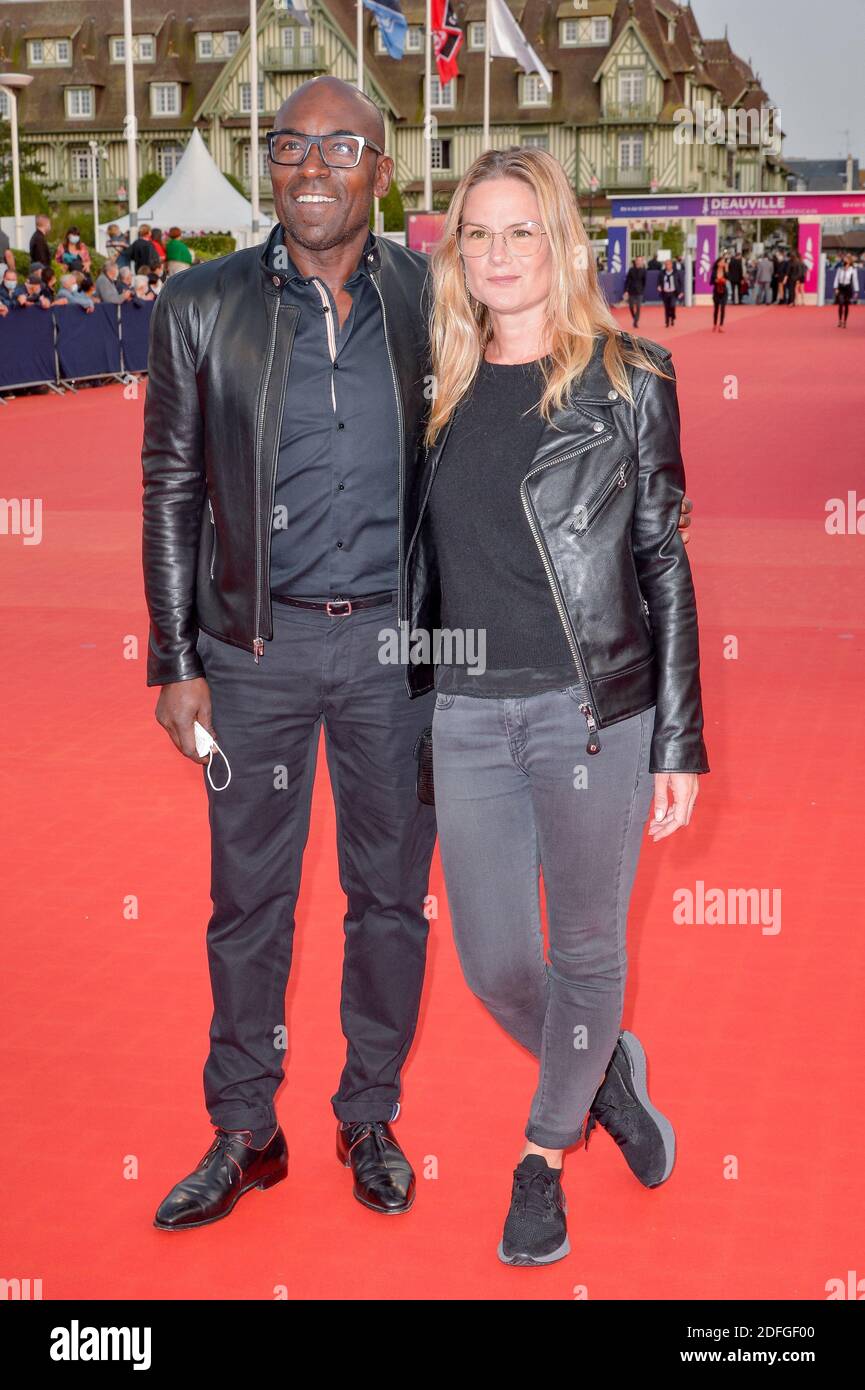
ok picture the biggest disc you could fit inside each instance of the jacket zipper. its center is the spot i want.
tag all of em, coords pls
(258, 641)
(618, 480)
(213, 543)
(401, 426)
(593, 744)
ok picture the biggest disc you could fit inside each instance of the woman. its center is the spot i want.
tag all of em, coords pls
(71, 252)
(549, 510)
(142, 287)
(846, 286)
(719, 294)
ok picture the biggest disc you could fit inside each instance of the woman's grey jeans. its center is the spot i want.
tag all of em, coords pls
(517, 793)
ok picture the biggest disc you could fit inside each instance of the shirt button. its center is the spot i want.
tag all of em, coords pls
(336, 366)
(339, 545)
(612, 395)
(341, 426)
(597, 427)
(341, 487)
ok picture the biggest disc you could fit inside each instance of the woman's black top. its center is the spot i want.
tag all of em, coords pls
(493, 582)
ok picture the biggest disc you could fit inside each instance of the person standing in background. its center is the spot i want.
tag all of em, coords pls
(734, 275)
(671, 286)
(635, 288)
(177, 254)
(763, 282)
(40, 251)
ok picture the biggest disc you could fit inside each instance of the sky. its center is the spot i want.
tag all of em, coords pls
(810, 55)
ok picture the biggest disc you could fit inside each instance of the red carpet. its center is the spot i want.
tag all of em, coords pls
(753, 1039)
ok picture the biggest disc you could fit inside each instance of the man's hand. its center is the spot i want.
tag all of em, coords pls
(180, 703)
(685, 519)
(684, 787)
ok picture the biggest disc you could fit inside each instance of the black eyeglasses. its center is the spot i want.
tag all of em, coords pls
(339, 150)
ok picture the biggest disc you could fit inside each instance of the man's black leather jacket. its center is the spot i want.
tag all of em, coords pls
(602, 497)
(219, 354)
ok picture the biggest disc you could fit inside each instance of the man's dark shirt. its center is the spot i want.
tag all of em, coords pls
(336, 504)
(143, 254)
(635, 280)
(40, 252)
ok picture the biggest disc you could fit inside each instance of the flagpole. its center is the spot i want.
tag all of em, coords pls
(487, 76)
(360, 45)
(427, 113)
(254, 192)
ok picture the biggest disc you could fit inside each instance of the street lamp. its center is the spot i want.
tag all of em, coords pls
(13, 82)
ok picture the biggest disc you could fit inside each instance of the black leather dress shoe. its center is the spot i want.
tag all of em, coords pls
(230, 1168)
(383, 1177)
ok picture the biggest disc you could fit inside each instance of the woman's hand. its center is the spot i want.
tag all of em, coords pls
(666, 818)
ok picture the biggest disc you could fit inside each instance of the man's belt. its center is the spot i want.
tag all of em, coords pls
(337, 607)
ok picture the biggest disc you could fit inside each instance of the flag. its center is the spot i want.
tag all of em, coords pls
(392, 24)
(507, 40)
(447, 39)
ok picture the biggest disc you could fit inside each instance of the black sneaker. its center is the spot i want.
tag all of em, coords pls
(622, 1107)
(535, 1231)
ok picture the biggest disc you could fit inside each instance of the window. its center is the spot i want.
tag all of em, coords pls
(442, 96)
(584, 33)
(263, 163)
(536, 141)
(477, 35)
(4, 106)
(440, 154)
(167, 158)
(232, 41)
(246, 95)
(79, 162)
(49, 53)
(632, 86)
(165, 98)
(79, 102)
(413, 40)
(532, 91)
(143, 48)
(631, 151)
(203, 46)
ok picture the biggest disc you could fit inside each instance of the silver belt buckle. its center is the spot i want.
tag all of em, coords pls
(344, 603)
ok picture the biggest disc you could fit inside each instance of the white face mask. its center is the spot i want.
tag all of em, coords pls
(73, 239)
(11, 284)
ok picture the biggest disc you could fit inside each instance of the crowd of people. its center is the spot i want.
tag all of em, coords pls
(776, 278)
(131, 273)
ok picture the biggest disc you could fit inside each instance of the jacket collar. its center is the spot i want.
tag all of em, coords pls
(369, 260)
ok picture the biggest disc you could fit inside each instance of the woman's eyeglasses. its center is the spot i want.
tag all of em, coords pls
(521, 238)
(338, 150)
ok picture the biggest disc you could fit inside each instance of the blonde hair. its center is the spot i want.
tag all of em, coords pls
(576, 312)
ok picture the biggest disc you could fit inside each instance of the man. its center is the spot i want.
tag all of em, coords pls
(109, 287)
(12, 292)
(765, 272)
(6, 255)
(635, 288)
(672, 288)
(71, 293)
(143, 255)
(40, 251)
(286, 400)
(735, 271)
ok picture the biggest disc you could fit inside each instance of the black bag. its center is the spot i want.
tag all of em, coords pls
(424, 755)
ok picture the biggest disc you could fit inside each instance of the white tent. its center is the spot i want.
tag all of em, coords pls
(197, 198)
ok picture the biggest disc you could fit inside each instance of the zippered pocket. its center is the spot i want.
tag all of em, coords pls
(616, 482)
(213, 541)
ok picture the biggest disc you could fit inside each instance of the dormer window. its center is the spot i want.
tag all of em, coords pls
(49, 53)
